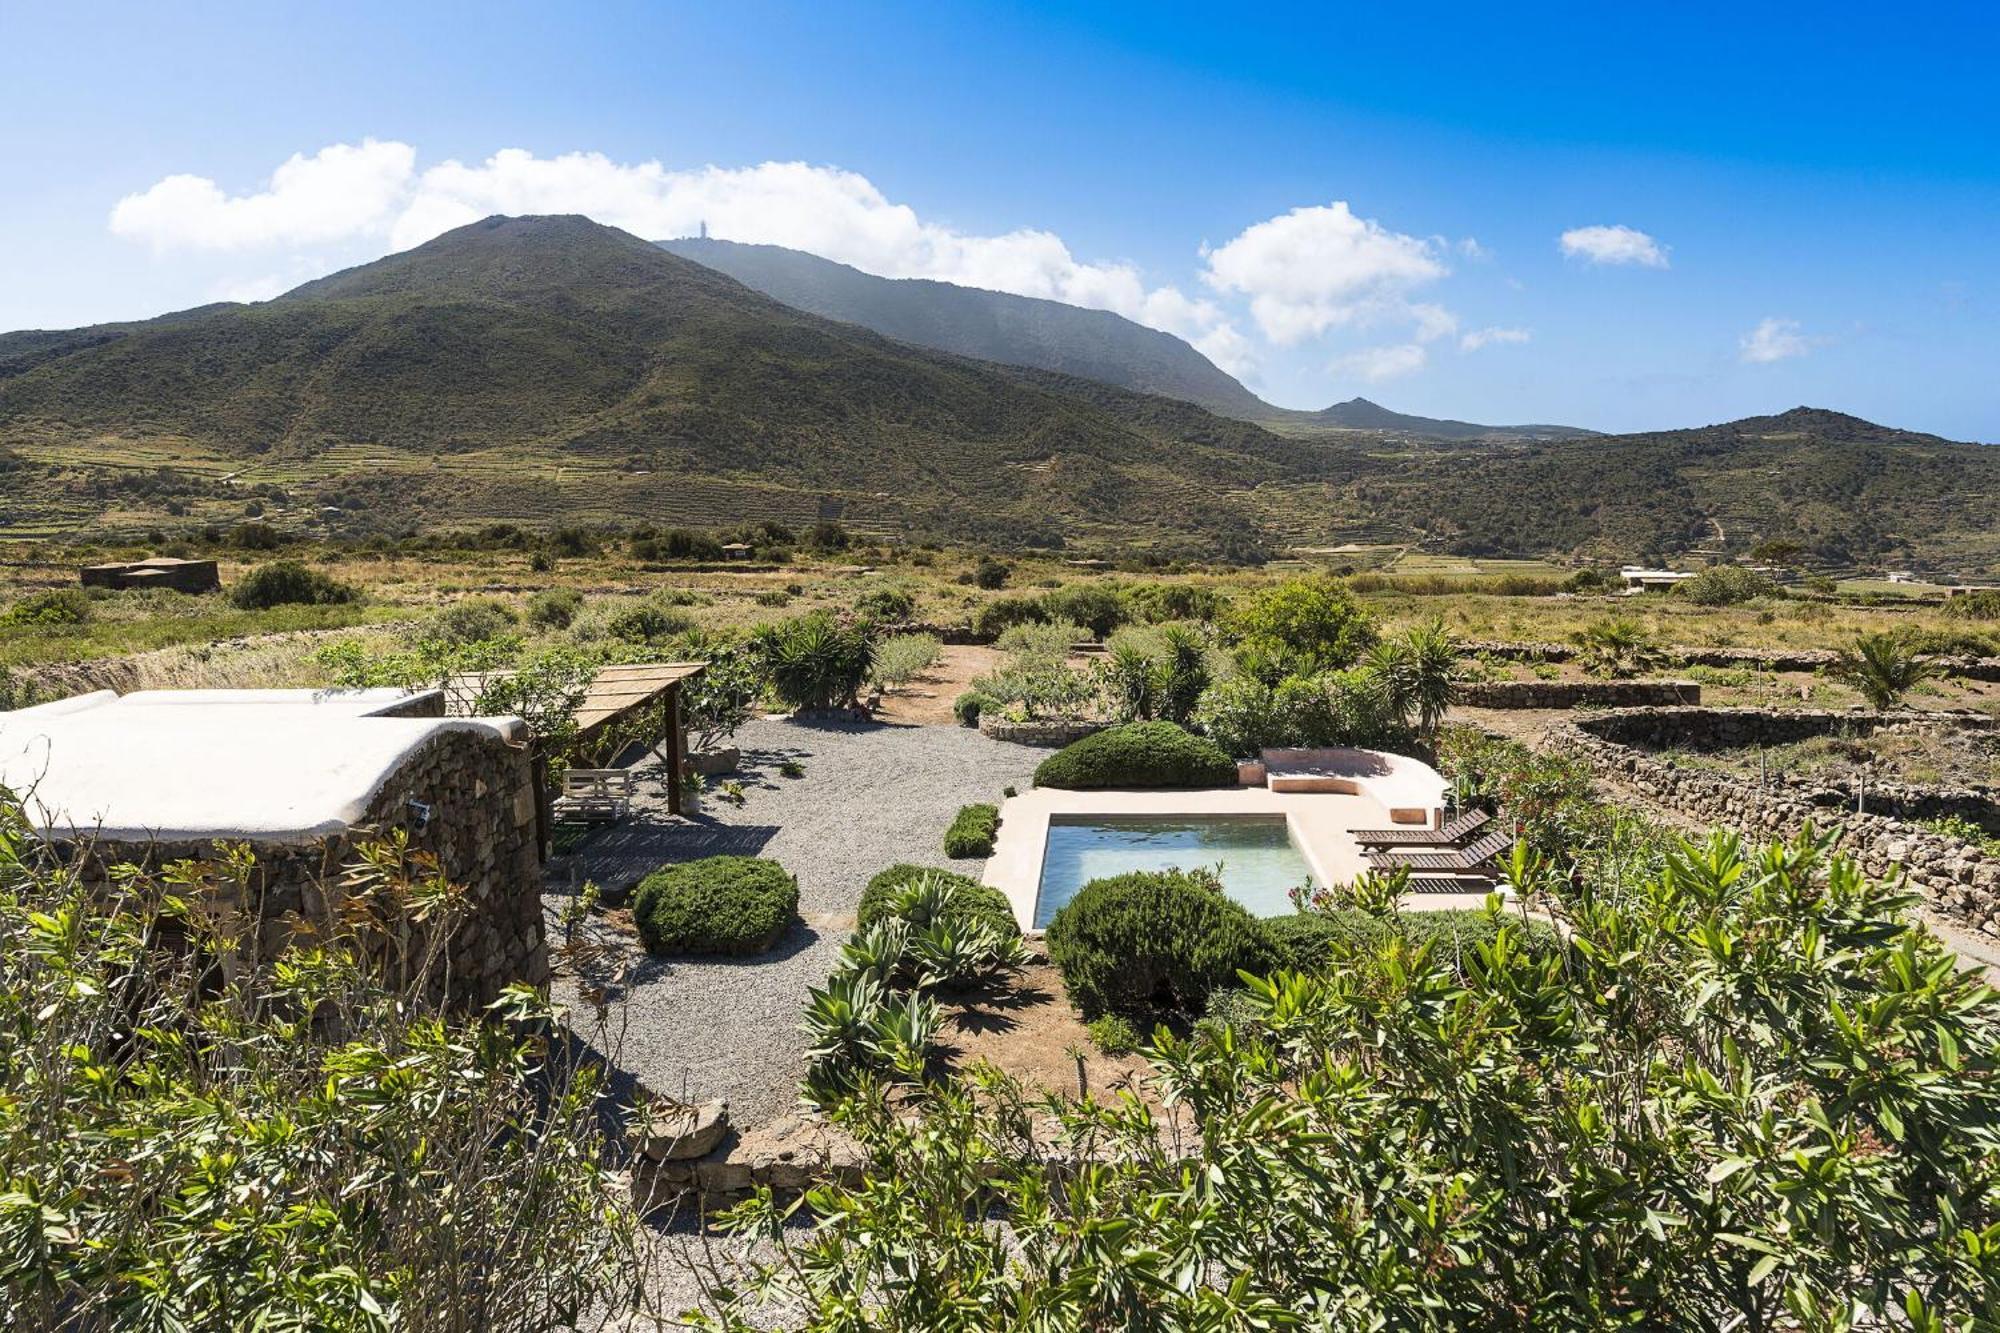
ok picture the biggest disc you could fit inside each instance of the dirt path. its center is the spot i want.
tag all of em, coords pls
(926, 701)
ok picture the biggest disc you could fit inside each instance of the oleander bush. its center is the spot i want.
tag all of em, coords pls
(717, 905)
(1748, 1091)
(1154, 942)
(292, 1142)
(972, 832)
(1139, 755)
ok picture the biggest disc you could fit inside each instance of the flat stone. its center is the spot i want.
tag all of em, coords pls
(681, 1133)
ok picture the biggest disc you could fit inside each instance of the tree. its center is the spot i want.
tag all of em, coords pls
(1884, 666)
(1418, 674)
(1301, 627)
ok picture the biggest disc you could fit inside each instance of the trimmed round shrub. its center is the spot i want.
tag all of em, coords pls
(973, 831)
(980, 902)
(1150, 941)
(1142, 754)
(288, 583)
(720, 904)
(1305, 940)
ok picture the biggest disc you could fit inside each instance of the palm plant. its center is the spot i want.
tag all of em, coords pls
(1883, 666)
(1617, 647)
(1418, 675)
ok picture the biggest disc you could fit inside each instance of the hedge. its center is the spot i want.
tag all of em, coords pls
(973, 831)
(1150, 941)
(719, 905)
(979, 902)
(1141, 754)
(1304, 940)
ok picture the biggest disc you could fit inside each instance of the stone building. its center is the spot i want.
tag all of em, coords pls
(193, 576)
(300, 776)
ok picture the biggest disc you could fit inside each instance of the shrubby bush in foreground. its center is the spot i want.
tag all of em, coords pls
(972, 831)
(719, 904)
(1145, 942)
(1143, 755)
(1747, 1092)
(282, 1143)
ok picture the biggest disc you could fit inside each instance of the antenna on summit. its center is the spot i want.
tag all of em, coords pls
(704, 229)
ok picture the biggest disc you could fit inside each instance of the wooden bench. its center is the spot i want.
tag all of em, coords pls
(595, 795)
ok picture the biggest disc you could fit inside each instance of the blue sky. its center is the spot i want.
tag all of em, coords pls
(1765, 206)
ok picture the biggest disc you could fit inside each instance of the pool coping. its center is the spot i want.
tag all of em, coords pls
(1321, 826)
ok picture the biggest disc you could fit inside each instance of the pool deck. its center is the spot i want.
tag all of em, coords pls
(1321, 823)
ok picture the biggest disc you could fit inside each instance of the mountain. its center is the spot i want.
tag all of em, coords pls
(550, 367)
(1360, 414)
(991, 326)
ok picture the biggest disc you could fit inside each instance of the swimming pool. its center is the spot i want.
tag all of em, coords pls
(1259, 863)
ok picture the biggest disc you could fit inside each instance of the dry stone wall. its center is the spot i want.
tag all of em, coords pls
(466, 797)
(1757, 659)
(1960, 880)
(1577, 693)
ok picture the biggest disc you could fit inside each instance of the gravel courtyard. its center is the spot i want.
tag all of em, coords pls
(871, 795)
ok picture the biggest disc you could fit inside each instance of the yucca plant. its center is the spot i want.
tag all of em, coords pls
(815, 662)
(1883, 666)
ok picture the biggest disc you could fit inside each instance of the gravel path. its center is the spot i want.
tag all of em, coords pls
(871, 796)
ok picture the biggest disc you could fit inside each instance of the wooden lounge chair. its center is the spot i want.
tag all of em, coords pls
(1459, 826)
(1457, 860)
(595, 795)
(1451, 884)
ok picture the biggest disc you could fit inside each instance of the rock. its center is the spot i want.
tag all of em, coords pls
(681, 1133)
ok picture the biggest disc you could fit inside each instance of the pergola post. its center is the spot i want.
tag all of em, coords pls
(671, 708)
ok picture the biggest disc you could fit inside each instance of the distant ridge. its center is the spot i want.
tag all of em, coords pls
(1360, 414)
(991, 326)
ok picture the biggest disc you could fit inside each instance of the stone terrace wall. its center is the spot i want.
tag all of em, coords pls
(1052, 734)
(482, 828)
(1757, 659)
(1577, 693)
(1959, 880)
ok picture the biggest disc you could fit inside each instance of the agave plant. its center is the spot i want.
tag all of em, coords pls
(877, 953)
(839, 1017)
(901, 1033)
(1884, 667)
(957, 953)
(815, 662)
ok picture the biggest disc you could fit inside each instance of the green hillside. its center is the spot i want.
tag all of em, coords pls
(551, 370)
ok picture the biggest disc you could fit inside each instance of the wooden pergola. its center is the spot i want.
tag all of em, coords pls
(616, 696)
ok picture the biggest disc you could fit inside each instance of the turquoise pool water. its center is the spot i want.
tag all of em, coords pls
(1260, 865)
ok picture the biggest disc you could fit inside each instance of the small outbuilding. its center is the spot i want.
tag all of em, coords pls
(192, 576)
(159, 776)
(1640, 579)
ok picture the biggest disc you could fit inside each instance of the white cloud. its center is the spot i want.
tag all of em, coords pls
(1318, 268)
(1773, 340)
(338, 192)
(1475, 339)
(1472, 249)
(373, 191)
(1613, 245)
(1381, 363)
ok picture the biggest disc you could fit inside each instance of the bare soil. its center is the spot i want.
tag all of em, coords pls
(926, 701)
(1027, 1027)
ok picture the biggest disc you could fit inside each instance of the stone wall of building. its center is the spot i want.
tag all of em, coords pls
(464, 797)
(1959, 880)
(1577, 693)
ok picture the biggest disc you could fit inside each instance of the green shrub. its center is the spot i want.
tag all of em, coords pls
(1725, 585)
(990, 573)
(972, 832)
(980, 902)
(900, 658)
(1981, 605)
(1161, 602)
(52, 609)
(1144, 755)
(649, 622)
(474, 620)
(1137, 943)
(968, 706)
(1040, 644)
(554, 608)
(1304, 941)
(1003, 613)
(1099, 608)
(288, 583)
(815, 661)
(885, 604)
(720, 904)
(1114, 1034)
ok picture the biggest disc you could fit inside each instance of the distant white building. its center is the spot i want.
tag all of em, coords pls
(1640, 579)
(1901, 576)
